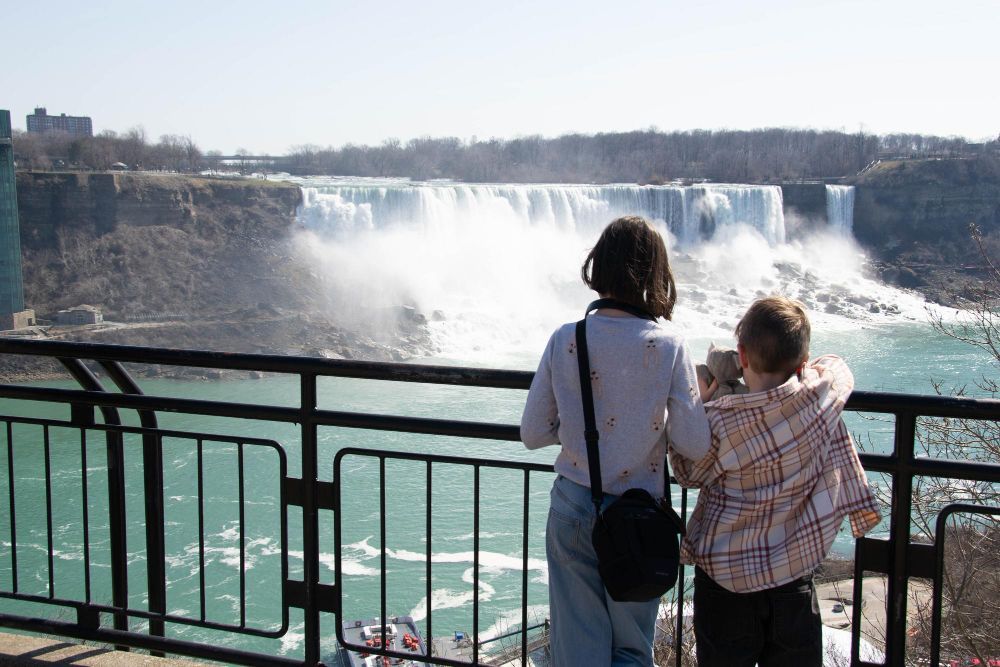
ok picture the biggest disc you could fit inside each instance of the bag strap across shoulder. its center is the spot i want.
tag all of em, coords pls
(590, 433)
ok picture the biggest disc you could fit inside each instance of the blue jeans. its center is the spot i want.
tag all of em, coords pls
(777, 627)
(588, 627)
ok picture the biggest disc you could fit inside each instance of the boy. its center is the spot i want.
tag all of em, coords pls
(779, 477)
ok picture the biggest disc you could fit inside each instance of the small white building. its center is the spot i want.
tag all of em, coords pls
(82, 314)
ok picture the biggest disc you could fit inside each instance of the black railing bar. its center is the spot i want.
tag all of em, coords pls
(91, 387)
(139, 430)
(902, 497)
(928, 405)
(201, 526)
(159, 403)
(371, 370)
(924, 405)
(143, 641)
(450, 460)
(429, 551)
(475, 564)
(283, 529)
(142, 614)
(856, 595)
(382, 546)
(242, 531)
(127, 384)
(258, 412)
(13, 507)
(679, 633)
(47, 454)
(310, 517)
(115, 464)
(423, 425)
(929, 467)
(524, 566)
(85, 508)
(153, 479)
(939, 540)
(338, 611)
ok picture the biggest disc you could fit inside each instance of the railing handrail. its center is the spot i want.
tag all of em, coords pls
(861, 400)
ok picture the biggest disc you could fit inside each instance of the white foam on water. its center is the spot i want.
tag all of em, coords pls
(443, 598)
(488, 561)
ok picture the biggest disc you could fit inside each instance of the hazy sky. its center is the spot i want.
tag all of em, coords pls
(266, 76)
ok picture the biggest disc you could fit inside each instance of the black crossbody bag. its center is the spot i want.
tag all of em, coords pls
(637, 537)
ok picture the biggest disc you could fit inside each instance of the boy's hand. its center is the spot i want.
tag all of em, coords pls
(706, 390)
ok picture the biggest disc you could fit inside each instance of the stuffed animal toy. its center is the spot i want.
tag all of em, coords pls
(723, 365)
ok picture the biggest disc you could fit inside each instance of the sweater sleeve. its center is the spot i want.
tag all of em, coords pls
(696, 474)
(540, 420)
(687, 425)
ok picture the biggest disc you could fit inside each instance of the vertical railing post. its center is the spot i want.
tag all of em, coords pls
(899, 540)
(152, 468)
(117, 521)
(310, 519)
(116, 495)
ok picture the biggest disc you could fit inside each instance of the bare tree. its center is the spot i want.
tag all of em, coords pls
(971, 582)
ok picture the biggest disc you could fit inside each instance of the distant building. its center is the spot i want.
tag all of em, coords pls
(41, 122)
(80, 315)
(12, 312)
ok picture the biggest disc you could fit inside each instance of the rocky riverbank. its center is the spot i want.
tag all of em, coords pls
(258, 331)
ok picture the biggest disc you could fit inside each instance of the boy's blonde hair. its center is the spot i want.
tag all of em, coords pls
(775, 334)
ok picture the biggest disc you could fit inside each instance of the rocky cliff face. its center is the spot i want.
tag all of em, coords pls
(140, 243)
(914, 217)
(185, 262)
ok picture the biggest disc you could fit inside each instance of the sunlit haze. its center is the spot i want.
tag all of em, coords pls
(266, 76)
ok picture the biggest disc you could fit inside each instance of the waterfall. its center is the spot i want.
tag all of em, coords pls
(840, 208)
(495, 267)
(690, 214)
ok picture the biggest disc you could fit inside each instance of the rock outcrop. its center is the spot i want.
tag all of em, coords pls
(182, 261)
(147, 243)
(914, 216)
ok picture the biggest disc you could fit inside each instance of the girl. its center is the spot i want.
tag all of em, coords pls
(645, 394)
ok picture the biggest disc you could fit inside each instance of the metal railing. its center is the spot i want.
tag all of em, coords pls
(142, 617)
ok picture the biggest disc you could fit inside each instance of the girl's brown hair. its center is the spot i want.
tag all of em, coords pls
(630, 263)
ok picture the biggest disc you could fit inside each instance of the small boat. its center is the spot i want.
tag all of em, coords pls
(401, 636)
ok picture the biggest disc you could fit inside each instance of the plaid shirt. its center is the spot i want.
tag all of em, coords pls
(780, 476)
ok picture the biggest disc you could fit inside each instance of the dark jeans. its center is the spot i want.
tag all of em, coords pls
(771, 628)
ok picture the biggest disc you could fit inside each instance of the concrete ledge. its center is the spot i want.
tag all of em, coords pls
(28, 650)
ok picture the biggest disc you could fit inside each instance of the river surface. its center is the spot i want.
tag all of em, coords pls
(495, 269)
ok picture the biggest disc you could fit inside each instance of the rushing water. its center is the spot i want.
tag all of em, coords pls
(840, 208)
(495, 268)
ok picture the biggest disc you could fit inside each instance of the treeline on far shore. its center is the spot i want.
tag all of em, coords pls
(646, 156)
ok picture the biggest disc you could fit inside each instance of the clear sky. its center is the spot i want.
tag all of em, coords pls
(266, 76)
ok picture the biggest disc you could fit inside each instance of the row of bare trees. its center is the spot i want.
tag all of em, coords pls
(131, 148)
(647, 156)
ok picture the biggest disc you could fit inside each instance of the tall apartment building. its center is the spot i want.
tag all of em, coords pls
(41, 121)
(12, 312)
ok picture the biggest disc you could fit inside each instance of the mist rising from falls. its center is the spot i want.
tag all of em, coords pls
(496, 267)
